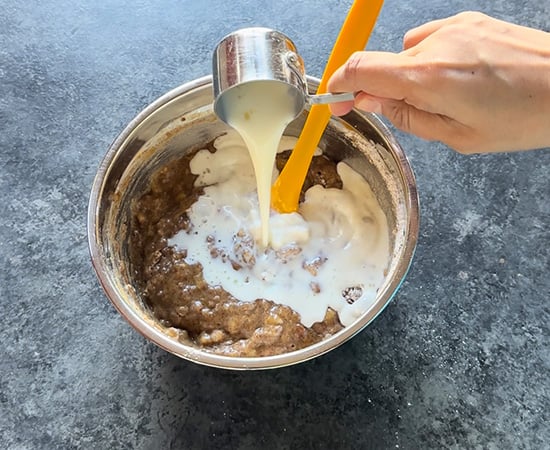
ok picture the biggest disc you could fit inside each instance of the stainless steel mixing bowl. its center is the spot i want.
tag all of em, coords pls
(183, 120)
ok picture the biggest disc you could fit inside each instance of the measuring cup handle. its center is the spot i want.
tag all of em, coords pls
(337, 97)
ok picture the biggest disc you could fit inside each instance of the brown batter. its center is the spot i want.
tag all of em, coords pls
(208, 316)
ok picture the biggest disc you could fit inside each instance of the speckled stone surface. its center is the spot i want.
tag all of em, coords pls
(460, 358)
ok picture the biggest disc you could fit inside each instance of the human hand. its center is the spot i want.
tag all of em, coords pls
(476, 83)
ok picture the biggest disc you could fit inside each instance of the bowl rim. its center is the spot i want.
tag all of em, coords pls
(116, 296)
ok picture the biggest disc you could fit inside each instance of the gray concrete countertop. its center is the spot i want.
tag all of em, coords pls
(460, 358)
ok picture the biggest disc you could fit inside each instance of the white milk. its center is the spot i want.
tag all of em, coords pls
(260, 112)
(332, 253)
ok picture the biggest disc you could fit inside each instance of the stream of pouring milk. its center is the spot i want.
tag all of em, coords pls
(332, 253)
(260, 111)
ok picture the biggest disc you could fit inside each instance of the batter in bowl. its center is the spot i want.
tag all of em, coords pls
(197, 251)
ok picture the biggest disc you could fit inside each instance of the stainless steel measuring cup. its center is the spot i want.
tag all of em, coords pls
(262, 54)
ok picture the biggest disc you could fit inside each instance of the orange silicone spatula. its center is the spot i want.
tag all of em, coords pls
(353, 37)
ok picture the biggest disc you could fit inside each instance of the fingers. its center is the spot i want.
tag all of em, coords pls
(433, 127)
(363, 102)
(339, 109)
(412, 120)
(416, 35)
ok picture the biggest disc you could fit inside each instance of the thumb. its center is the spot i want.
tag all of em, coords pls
(382, 74)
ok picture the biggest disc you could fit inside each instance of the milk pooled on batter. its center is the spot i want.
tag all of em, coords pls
(332, 253)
